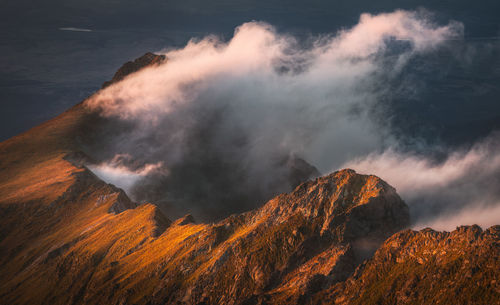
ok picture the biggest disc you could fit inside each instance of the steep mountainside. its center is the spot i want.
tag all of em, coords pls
(67, 237)
(316, 234)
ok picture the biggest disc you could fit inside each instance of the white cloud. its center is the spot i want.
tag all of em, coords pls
(75, 29)
(485, 216)
(462, 189)
(262, 95)
(331, 81)
(120, 175)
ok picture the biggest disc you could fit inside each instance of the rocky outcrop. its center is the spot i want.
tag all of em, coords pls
(187, 219)
(300, 171)
(121, 203)
(148, 59)
(86, 180)
(427, 267)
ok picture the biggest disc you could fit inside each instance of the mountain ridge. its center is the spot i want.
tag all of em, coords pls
(67, 237)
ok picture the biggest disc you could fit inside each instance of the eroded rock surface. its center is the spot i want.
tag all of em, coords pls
(427, 267)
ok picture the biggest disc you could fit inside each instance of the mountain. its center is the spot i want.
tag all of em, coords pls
(148, 59)
(67, 237)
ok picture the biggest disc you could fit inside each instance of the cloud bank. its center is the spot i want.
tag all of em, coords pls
(462, 189)
(485, 216)
(233, 120)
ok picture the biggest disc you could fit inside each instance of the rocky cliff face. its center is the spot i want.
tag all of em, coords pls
(69, 238)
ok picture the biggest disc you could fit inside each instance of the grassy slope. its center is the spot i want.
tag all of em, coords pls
(49, 206)
(60, 245)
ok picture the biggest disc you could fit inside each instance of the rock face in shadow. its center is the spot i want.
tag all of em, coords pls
(148, 59)
(300, 171)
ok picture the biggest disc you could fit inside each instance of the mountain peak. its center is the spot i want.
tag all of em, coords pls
(148, 59)
(344, 197)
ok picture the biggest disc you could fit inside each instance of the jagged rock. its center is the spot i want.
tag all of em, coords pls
(294, 244)
(300, 171)
(78, 158)
(291, 248)
(161, 222)
(121, 203)
(427, 267)
(187, 219)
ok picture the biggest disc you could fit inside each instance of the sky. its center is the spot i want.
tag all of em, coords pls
(54, 54)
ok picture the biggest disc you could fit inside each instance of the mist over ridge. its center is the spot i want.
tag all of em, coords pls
(223, 120)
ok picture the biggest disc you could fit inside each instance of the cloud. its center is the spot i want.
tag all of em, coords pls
(461, 189)
(485, 216)
(228, 118)
(250, 60)
(75, 29)
(116, 172)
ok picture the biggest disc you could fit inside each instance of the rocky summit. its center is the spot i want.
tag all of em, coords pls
(146, 60)
(67, 237)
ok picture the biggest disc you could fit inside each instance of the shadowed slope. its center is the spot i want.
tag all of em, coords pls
(148, 59)
(62, 243)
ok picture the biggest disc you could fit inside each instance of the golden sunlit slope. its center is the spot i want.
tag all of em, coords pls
(68, 238)
(48, 200)
(73, 251)
(45, 200)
